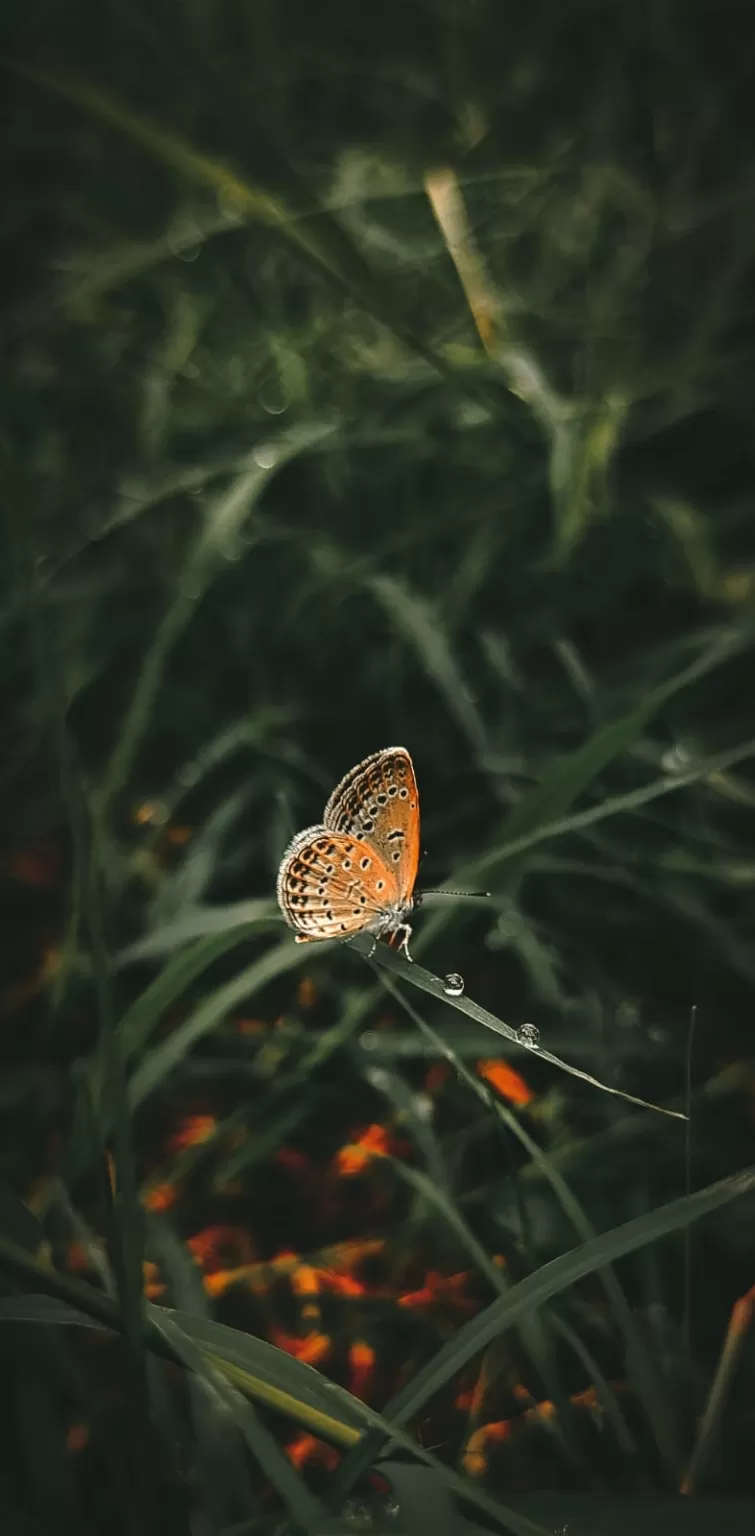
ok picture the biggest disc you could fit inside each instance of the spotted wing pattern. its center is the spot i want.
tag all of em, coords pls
(378, 803)
(332, 884)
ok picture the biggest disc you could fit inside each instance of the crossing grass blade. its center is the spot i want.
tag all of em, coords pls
(426, 981)
(643, 1373)
(533, 1292)
(548, 803)
(258, 1370)
(302, 1505)
(156, 1064)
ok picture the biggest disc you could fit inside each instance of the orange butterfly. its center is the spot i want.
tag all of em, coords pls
(356, 872)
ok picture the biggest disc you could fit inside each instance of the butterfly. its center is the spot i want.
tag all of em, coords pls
(356, 872)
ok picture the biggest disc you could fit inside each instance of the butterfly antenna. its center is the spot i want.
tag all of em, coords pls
(472, 894)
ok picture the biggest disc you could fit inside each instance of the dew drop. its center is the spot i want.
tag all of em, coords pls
(230, 207)
(231, 548)
(357, 1515)
(273, 398)
(679, 758)
(529, 1035)
(453, 984)
(266, 455)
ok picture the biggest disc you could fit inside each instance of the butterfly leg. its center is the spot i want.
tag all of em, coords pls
(406, 933)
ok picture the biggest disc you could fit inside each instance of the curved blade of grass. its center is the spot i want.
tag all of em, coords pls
(557, 1276)
(533, 1330)
(257, 1368)
(606, 1144)
(101, 271)
(183, 887)
(222, 526)
(252, 201)
(222, 1472)
(47, 1310)
(710, 1428)
(428, 982)
(614, 805)
(272, 1377)
(195, 924)
(582, 445)
(541, 811)
(260, 1144)
(413, 617)
(317, 234)
(404, 1107)
(241, 1354)
(302, 1504)
(547, 1282)
(481, 868)
(142, 1018)
(156, 1065)
(647, 1381)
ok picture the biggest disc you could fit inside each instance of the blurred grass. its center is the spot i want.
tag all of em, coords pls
(377, 376)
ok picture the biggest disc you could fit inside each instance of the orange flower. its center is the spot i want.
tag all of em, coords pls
(193, 1130)
(437, 1288)
(312, 1349)
(354, 1156)
(474, 1459)
(507, 1082)
(77, 1437)
(306, 1448)
(362, 1366)
(159, 1197)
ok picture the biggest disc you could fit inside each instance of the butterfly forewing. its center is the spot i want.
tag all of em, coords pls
(378, 803)
(332, 884)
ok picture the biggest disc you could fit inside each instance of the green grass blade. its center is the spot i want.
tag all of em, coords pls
(571, 775)
(414, 619)
(302, 1505)
(647, 1381)
(258, 1369)
(557, 1276)
(159, 1062)
(248, 1358)
(428, 982)
(140, 1020)
(223, 523)
(197, 923)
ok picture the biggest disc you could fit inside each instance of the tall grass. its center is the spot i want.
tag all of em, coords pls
(372, 377)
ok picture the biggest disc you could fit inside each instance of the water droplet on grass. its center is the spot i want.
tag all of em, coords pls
(357, 1515)
(529, 1035)
(453, 984)
(266, 455)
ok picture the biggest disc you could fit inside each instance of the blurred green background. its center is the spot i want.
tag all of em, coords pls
(372, 376)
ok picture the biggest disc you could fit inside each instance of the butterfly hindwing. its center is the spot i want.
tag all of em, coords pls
(332, 884)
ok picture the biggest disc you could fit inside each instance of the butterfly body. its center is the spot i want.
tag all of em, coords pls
(355, 872)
